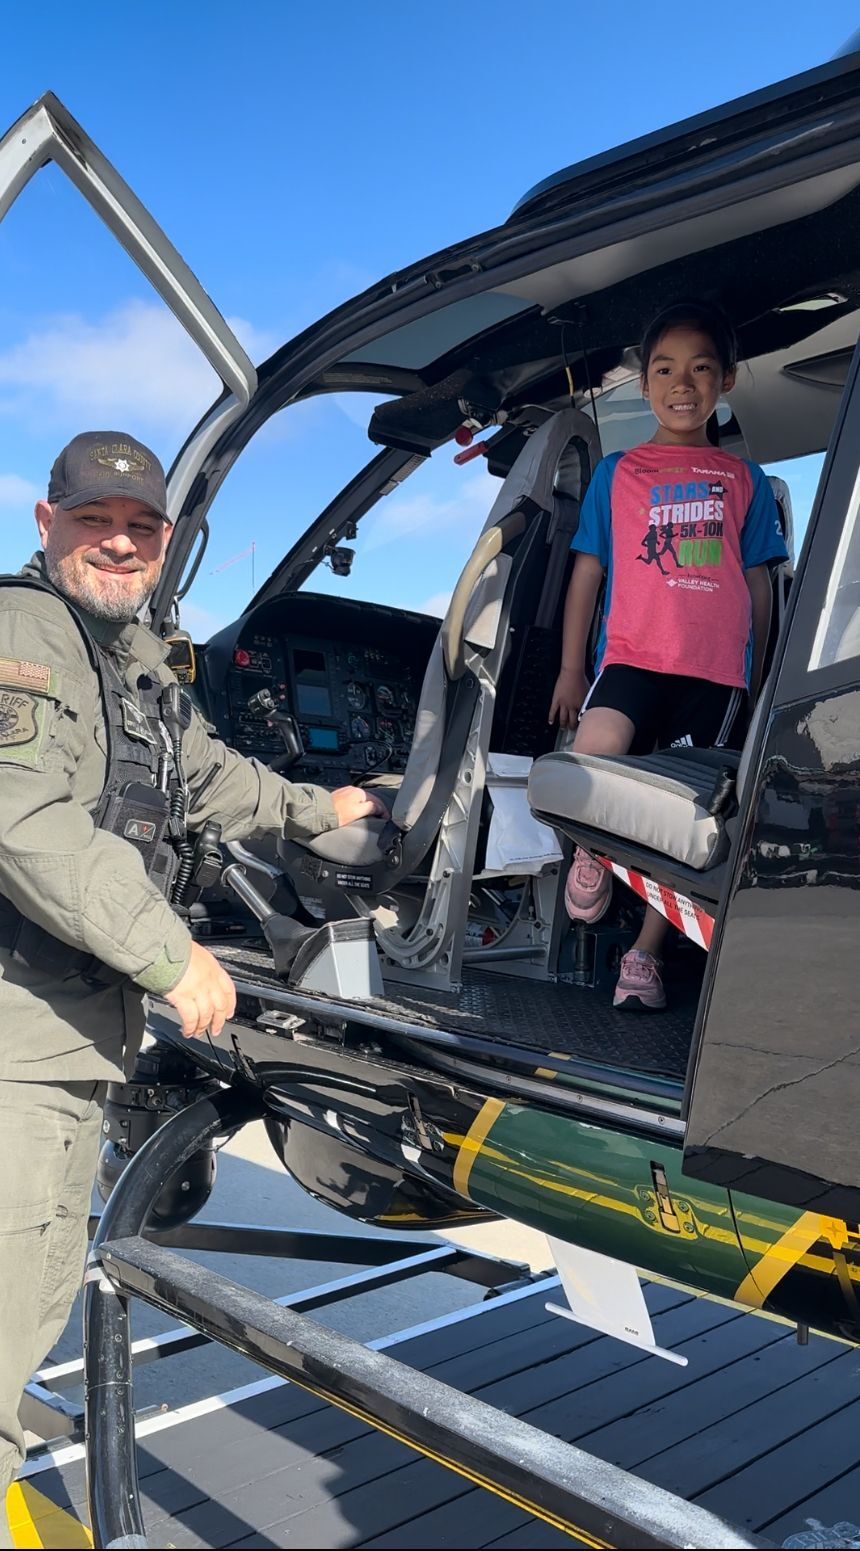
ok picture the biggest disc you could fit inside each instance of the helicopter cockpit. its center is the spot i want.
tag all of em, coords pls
(450, 726)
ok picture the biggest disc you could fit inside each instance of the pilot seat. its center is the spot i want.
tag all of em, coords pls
(487, 687)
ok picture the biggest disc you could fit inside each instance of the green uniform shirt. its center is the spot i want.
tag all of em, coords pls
(83, 885)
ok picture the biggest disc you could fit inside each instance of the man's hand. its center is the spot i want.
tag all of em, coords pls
(205, 996)
(351, 803)
(571, 690)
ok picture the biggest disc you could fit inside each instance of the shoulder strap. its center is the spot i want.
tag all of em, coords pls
(33, 584)
(98, 660)
(111, 686)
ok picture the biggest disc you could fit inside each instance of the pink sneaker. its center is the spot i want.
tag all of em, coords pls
(640, 986)
(588, 889)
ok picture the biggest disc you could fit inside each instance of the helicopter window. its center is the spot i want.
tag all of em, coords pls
(412, 545)
(837, 638)
(625, 419)
(289, 472)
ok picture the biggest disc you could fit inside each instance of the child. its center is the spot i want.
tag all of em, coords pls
(681, 639)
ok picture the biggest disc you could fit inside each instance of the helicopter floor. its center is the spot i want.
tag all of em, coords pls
(560, 1018)
(541, 1016)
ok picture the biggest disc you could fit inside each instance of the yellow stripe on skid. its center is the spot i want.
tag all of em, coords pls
(37, 1524)
(473, 1141)
(776, 1262)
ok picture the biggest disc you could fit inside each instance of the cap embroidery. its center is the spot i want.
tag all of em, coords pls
(124, 460)
(108, 462)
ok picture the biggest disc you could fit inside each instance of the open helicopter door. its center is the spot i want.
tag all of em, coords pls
(47, 132)
(774, 1096)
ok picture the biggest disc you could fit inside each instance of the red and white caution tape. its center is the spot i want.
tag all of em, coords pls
(690, 919)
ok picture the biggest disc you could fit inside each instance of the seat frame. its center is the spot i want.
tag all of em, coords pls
(429, 951)
(703, 888)
(427, 946)
(422, 937)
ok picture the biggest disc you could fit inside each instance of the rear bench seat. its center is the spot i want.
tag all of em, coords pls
(674, 802)
(672, 806)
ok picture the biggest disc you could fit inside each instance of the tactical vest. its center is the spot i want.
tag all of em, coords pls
(132, 804)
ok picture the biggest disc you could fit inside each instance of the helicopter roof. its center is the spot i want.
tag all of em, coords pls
(755, 205)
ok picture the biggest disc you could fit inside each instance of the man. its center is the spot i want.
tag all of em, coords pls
(85, 930)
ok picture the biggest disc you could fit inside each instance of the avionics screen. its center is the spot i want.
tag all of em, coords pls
(322, 738)
(313, 699)
(312, 692)
(308, 662)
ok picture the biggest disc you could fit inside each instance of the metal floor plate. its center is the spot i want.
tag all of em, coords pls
(532, 1015)
(568, 1019)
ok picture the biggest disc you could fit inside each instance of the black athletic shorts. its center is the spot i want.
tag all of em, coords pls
(668, 709)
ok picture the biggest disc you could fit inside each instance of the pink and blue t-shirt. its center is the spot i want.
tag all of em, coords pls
(676, 528)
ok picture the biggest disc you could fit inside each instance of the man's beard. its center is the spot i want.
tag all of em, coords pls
(116, 599)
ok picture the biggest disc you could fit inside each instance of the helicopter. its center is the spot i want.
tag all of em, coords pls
(430, 1037)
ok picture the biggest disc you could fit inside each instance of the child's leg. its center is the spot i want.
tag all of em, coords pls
(603, 731)
(653, 934)
(588, 889)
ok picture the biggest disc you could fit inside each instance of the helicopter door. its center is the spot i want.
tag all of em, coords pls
(47, 132)
(774, 1099)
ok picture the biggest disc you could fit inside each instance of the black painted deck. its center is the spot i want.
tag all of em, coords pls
(762, 1431)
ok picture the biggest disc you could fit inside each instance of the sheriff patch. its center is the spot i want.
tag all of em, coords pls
(22, 726)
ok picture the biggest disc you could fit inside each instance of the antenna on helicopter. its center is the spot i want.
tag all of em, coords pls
(225, 566)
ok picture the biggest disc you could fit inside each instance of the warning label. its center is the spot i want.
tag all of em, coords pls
(354, 880)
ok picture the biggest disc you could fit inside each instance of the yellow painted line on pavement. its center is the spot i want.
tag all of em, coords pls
(585, 1536)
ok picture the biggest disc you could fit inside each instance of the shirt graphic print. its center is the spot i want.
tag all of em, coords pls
(676, 528)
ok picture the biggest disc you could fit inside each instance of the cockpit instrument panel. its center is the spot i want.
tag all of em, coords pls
(329, 663)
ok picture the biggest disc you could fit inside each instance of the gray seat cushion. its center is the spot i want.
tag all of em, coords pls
(365, 841)
(660, 802)
(358, 844)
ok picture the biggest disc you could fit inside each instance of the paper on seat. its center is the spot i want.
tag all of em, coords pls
(516, 841)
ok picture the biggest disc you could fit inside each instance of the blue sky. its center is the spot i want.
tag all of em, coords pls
(294, 155)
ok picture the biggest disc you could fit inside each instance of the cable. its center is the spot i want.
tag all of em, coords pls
(178, 815)
(588, 376)
(567, 371)
(564, 324)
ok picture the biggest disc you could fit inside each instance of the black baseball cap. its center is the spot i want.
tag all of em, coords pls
(104, 463)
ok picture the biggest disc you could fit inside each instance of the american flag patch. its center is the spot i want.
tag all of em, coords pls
(25, 675)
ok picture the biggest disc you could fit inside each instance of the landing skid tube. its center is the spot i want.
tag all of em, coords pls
(555, 1481)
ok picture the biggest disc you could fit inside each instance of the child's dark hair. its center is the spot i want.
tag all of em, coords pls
(706, 316)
